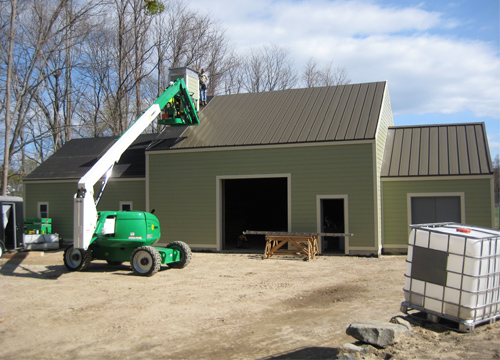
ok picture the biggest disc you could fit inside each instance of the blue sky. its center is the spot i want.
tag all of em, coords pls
(441, 58)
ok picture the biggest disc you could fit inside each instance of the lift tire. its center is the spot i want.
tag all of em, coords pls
(145, 261)
(186, 254)
(77, 259)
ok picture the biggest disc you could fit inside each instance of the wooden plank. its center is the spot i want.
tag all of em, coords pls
(277, 233)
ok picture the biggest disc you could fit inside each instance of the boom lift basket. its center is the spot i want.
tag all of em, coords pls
(179, 111)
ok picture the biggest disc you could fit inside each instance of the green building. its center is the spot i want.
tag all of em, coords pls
(317, 160)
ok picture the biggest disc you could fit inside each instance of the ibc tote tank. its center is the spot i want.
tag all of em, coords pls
(453, 272)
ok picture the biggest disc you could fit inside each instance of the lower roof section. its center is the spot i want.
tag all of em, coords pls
(437, 150)
(77, 156)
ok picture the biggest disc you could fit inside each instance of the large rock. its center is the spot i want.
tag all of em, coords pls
(381, 334)
(399, 320)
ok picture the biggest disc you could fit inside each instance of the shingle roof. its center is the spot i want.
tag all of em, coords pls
(337, 113)
(77, 156)
(437, 150)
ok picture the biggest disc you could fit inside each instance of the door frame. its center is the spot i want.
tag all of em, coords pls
(220, 200)
(410, 196)
(319, 209)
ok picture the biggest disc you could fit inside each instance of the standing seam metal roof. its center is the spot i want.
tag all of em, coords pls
(437, 150)
(77, 156)
(337, 113)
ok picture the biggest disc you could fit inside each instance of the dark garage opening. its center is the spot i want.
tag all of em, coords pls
(258, 204)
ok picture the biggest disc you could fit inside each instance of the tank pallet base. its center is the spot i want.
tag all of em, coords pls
(446, 321)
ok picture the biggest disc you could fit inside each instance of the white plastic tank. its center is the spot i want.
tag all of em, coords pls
(453, 270)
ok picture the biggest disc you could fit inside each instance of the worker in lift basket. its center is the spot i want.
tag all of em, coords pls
(203, 87)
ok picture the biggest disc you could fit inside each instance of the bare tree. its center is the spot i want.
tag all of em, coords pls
(57, 96)
(231, 80)
(328, 75)
(217, 58)
(143, 48)
(39, 74)
(8, 119)
(93, 114)
(134, 50)
(269, 68)
(184, 37)
(332, 76)
(311, 73)
(43, 18)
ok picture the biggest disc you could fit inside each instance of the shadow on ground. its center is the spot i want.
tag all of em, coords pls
(308, 353)
(42, 272)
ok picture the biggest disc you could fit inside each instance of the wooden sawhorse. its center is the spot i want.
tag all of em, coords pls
(304, 245)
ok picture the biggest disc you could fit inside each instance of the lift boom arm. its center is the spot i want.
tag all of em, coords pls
(183, 112)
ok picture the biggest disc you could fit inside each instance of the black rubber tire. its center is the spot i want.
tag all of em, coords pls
(186, 254)
(77, 259)
(145, 261)
(114, 263)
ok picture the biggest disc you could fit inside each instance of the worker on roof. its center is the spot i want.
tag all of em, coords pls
(203, 87)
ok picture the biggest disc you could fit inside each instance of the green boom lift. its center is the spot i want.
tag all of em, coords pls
(120, 236)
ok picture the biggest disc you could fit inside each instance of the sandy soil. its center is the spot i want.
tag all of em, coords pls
(222, 306)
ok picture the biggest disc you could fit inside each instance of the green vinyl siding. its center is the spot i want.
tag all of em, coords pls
(182, 186)
(477, 195)
(59, 195)
(122, 190)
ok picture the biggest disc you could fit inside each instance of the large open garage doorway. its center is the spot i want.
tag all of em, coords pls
(258, 204)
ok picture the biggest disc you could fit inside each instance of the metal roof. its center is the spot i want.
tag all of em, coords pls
(336, 113)
(437, 150)
(77, 156)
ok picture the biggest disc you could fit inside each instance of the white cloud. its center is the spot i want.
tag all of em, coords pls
(258, 21)
(427, 72)
(354, 18)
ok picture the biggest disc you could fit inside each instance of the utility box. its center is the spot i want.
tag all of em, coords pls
(35, 226)
(11, 223)
(453, 272)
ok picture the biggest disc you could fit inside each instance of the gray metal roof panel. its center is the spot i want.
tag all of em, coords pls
(414, 160)
(321, 115)
(452, 151)
(339, 113)
(433, 151)
(365, 111)
(376, 106)
(77, 156)
(304, 119)
(346, 112)
(437, 150)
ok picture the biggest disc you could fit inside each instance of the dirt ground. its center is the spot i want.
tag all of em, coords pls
(222, 306)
